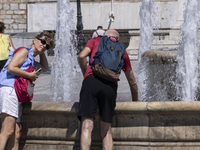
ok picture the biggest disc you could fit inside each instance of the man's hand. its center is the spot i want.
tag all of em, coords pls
(133, 85)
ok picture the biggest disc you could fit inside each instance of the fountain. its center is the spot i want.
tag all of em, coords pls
(136, 125)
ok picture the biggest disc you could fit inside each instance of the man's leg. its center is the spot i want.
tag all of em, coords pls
(86, 133)
(106, 136)
(7, 129)
(13, 142)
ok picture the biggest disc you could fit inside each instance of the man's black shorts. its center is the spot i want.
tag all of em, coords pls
(95, 92)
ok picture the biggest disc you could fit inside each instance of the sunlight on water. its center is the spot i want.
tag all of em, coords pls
(170, 81)
(187, 70)
(145, 45)
(65, 69)
(145, 27)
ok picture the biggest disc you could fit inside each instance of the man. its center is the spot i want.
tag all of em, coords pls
(97, 91)
(98, 32)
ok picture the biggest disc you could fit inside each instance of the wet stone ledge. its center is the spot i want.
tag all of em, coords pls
(136, 125)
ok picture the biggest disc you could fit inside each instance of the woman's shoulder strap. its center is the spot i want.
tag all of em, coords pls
(17, 50)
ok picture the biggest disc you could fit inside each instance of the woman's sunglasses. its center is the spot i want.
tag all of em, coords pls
(44, 42)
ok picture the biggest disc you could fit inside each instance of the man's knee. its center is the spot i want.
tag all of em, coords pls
(87, 127)
(87, 124)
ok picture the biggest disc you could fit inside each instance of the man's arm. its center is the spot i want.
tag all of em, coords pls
(133, 85)
(83, 59)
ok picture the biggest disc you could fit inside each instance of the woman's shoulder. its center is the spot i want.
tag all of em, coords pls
(24, 49)
(21, 50)
(4, 36)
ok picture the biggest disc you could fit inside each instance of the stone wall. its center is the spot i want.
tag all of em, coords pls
(13, 14)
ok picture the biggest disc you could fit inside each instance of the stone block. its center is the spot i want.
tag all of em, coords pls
(22, 21)
(13, 26)
(17, 16)
(20, 12)
(6, 7)
(22, 26)
(8, 17)
(18, 31)
(14, 6)
(9, 12)
(8, 21)
(22, 6)
(128, 127)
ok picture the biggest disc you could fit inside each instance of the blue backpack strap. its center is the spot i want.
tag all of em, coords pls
(121, 65)
(100, 50)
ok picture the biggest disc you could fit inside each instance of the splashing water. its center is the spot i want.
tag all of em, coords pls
(145, 27)
(175, 81)
(145, 45)
(65, 70)
(155, 81)
(187, 70)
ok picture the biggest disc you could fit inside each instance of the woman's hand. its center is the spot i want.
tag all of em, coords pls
(33, 76)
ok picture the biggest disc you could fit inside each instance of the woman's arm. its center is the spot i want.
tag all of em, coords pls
(11, 43)
(43, 64)
(18, 59)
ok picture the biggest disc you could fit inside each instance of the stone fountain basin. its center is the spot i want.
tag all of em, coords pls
(160, 56)
(136, 125)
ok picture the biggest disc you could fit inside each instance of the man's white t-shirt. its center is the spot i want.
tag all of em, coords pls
(97, 33)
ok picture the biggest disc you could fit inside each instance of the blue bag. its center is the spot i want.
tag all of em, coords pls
(109, 59)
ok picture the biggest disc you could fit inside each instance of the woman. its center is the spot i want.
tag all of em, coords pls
(16, 66)
(5, 41)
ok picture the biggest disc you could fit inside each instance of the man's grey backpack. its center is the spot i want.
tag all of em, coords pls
(109, 59)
